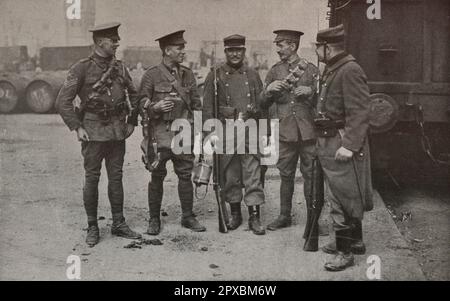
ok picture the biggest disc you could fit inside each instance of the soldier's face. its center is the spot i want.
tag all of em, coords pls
(285, 49)
(109, 45)
(235, 56)
(176, 53)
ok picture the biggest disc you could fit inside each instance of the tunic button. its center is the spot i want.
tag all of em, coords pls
(246, 83)
(292, 102)
(248, 95)
(227, 85)
(227, 73)
(325, 133)
(321, 98)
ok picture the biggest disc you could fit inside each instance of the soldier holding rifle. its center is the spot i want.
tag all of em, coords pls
(238, 89)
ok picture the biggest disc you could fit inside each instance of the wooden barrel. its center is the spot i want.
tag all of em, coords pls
(42, 91)
(12, 90)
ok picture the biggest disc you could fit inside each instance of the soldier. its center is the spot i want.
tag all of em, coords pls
(343, 148)
(238, 93)
(290, 97)
(107, 96)
(169, 92)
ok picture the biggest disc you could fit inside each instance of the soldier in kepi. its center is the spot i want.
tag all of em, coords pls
(169, 92)
(238, 96)
(290, 96)
(343, 149)
(106, 116)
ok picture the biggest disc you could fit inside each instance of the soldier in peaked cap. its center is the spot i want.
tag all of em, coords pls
(106, 117)
(343, 147)
(238, 94)
(168, 92)
(290, 96)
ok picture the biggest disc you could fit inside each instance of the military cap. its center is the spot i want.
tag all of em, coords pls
(108, 30)
(285, 34)
(234, 41)
(331, 35)
(175, 38)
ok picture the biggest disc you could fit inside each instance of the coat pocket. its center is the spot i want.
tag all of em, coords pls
(163, 87)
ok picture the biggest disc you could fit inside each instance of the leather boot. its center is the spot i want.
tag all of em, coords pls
(358, 246)
(121, 229)
(236, 216)
(155, 194)
(154, 226)
(93, 236)
(344, 257)
(254, 222)
(279, 223)
(191, 222)
(286, 192)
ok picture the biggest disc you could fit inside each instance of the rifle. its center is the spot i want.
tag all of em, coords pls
(314, 208)
(222, 209)
(316, 197)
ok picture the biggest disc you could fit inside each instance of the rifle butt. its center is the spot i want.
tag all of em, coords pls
(222, 214)
(312, 239)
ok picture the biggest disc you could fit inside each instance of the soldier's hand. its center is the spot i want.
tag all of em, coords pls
(82, 135)
(163, 106)
(343, 154)
(277, 86)
(303, 91)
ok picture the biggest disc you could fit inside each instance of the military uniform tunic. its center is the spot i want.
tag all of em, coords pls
(294, 113)
(236, 90)
(156, 86)
(80, 80)
(297, 134)
(106, 133)
(345, 96)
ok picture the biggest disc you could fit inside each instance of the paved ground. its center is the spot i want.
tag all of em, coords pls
(42, 221)
(422, 214)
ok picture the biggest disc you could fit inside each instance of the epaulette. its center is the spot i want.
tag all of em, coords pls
(278, 63)
(82, 61)
(184, 67)
(308, 63)
(87, 59)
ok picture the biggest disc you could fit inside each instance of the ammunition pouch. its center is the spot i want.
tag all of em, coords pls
(106, 111)
(227, 113)
(252, 113)
(327, 127)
